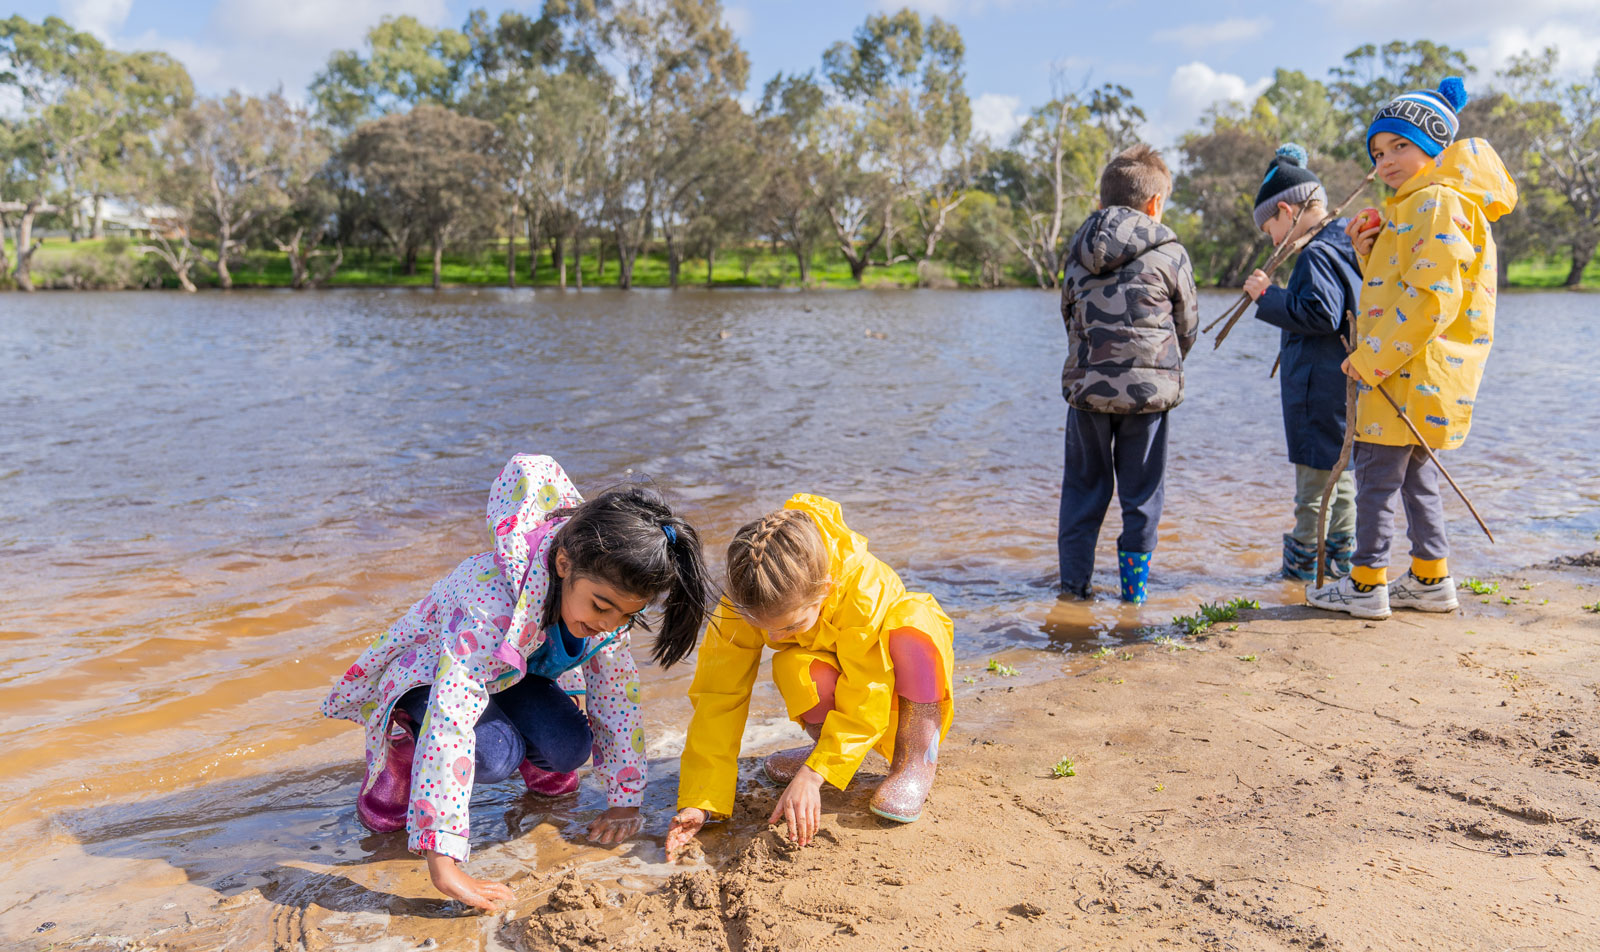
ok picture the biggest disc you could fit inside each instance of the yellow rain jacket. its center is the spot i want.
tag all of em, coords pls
(867, 602)
(1427, 310)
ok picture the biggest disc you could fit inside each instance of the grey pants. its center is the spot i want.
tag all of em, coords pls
(1382, 473)
(1308, 486)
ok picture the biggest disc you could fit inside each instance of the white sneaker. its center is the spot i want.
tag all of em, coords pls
(1341, 596)
(1411, 592)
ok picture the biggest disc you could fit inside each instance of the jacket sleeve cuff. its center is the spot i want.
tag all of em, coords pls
(835, 769)
(453, 845)
(716, 808)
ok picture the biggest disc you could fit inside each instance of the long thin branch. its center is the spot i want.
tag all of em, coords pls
(1282, 254)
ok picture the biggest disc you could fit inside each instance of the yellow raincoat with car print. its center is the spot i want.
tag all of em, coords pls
(1427, 307)
(867, 602)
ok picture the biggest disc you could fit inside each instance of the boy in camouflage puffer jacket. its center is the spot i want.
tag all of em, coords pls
(1129, 302)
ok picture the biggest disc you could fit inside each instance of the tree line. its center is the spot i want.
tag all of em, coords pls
(621, 128)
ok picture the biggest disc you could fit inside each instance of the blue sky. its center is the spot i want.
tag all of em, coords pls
(1177, 57)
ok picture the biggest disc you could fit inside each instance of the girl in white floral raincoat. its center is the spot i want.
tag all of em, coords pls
(463, 688)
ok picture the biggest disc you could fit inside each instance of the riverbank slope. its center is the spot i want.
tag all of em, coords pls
(1300, 781)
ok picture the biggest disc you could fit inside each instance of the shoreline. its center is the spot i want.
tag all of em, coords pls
(1301, 781)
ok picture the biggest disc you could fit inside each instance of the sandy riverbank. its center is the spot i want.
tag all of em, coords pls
(1304, 781)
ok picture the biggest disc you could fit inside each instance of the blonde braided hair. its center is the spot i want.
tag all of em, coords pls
(777, 563)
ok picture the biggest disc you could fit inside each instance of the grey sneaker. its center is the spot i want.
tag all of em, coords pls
(1411, 592)
(1341, 596)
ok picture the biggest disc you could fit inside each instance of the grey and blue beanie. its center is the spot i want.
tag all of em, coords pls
(1425, 117)
(1287, 180)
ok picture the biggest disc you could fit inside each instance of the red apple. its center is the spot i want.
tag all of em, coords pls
(1369, 219)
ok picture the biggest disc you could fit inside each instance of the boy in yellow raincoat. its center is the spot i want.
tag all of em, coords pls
(1423, 334)
(862, 664)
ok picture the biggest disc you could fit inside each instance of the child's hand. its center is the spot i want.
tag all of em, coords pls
(615, 825)
(689, 822)
(801, 806)
(1350, 371)
(1257, 284)
(1363, 230)
(450, 879)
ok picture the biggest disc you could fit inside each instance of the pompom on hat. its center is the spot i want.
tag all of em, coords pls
(1425, 117)
(1287, 180)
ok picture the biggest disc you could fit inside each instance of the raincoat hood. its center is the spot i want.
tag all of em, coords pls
(1474, 169)
(844, 545)
(521, 499)
(1112, 237)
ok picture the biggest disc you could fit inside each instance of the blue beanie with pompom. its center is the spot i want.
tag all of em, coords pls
(1287, 180)
(1425, 117)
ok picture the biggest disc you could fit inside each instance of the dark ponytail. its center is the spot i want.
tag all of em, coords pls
(631, 539)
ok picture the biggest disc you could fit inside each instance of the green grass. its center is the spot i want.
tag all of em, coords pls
(757, 266)
(1004, 670)
(1550, 273)
(1064, 768)
(1213, 614)
(1477, 587)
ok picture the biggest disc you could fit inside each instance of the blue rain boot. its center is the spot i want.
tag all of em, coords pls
(1134, 567)
(1341, 551)
(1300, 560)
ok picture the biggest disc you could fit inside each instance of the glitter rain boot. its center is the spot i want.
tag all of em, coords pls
(916, 759)
(548, 783)
(784, 764)
(382, 804)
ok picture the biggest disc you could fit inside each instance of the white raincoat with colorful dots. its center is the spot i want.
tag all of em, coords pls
(470, 638)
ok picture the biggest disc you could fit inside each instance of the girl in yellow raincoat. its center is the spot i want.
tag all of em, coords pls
(1423, 334)
(861, 664)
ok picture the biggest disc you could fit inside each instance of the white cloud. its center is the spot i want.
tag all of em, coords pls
(1194, 88)
(739, 20)
(1197, 36)
(257, 45)
(1579, 49)
(1485, 30)
(103, 18)
(943, 8)
(996, 117)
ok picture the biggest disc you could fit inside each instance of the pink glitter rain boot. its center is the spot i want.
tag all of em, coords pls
(916, 759)
(783, 765)
(382, 808)
(548, 783)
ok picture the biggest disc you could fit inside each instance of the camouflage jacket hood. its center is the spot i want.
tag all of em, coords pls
(1130, 306)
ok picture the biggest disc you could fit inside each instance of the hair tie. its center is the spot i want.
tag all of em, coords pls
(672, 535)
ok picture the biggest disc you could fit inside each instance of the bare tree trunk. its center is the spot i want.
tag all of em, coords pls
(99, 228)
(23, 274)
(438, 259)
(511, 249)
(600, 259)
(577, 258)
(531, 220)
(803, 256)
(5, 236)
(178, 259)
(711, 266)
(674, 261)
(224, 240)
(558, 259)
(297, 261)
(1582, 253)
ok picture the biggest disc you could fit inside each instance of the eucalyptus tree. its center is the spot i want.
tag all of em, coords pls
(87, 108)
(406, 63)
(906, 76)
(677, 67)
(430, 173)
(251, 155)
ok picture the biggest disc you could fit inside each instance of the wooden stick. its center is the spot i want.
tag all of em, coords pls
(1272, 262)
(1344, 453)
(1429, 450)
(1288, 249)
(1275, 362)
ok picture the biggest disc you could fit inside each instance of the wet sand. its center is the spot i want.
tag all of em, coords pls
(1301, 781)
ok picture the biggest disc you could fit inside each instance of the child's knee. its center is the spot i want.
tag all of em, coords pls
(918, 667)
(568, 749)
(826, 679)
(500, 750)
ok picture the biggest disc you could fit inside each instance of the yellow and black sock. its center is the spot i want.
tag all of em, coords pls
(1366, 578)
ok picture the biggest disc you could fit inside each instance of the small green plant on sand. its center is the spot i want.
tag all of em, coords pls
(1247, 657)
(1478, 587)
(969, 679)
(1506, 599)
(1170, 643)
(1064, 768)
(1004, 670)
(1104, 651)
(1213, 614)
(1593, 608)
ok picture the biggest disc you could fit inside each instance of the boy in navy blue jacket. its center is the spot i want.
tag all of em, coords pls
(1325, 286)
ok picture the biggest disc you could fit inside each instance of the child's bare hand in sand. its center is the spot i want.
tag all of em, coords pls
(615, 825)
(450, 879)
(801, 806)
(681, 833)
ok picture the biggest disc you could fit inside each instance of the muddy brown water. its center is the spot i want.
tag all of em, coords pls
(208, 503)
